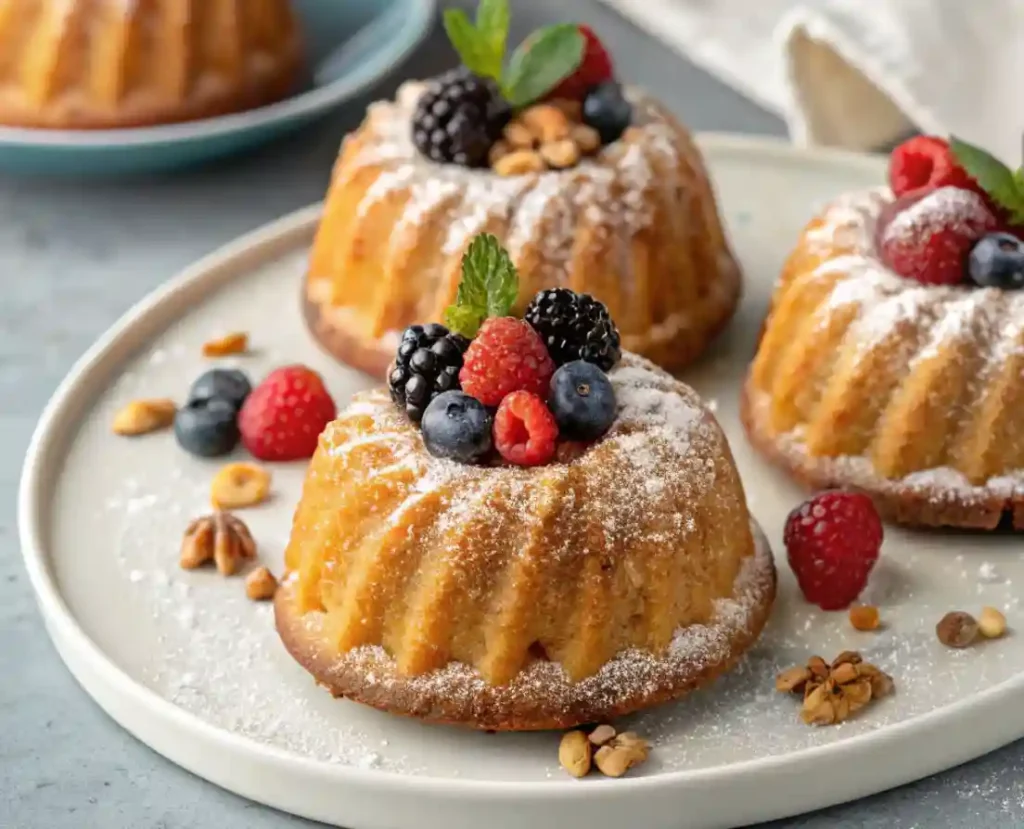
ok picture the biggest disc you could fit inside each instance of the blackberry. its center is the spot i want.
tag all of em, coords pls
(426, 364)
(458, 119)
(575, 327)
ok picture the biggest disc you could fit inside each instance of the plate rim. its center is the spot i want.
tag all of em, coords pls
(415, 27)
(92, 665)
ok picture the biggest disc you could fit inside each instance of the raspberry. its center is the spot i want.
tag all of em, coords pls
(281, 420)
(506, 356)
(926, 161)
(931, 238)
(832, 541)
(525, 431)
(595, 68)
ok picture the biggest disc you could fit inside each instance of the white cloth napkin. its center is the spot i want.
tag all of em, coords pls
(860, 73)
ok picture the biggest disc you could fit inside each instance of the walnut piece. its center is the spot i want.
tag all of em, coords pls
(624, 752)
(546, 122)
(260, 585)
(833, 693)
(143, 416)
(560, 154)
(574, 754)
(957, 629)
(235, 343)
(239, 485)
(221, 538)
(864, 617)
(991, 623)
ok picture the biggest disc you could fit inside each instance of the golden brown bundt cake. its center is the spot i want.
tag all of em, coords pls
(623, 574)
(108, 64)
(912, 392)
(635, 225)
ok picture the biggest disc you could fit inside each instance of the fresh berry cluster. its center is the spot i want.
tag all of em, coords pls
(280, 420)
(489, 381)
(958, 216)
(463, 112)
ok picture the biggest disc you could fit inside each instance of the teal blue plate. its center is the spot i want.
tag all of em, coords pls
(351, 45)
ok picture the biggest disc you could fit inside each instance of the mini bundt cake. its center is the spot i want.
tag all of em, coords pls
(624, 573)
(892, 358)
(108, 64)
(608, 196)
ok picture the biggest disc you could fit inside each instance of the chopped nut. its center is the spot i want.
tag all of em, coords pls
(235, 343)
(818, 667)
(851, 657)
(864, 617)
(221, 538)
(520, 163)
(498, 151)
(519, 137)
(793, 680)
(601, 735)
(573, 110)
(991, 623)
(143, 416)
(260, 585)
(624, 752)
(957, 629)
(546, 123)
(239, 485)
(574, 753)
(587, 138)
(560, 154)
(833, 694)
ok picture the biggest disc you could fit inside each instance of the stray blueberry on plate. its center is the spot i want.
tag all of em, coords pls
(582, 400)
(226, 383)
(207, 427)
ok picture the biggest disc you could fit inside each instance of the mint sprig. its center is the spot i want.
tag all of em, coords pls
(1004, 186)
(489, 286)
(537, 65)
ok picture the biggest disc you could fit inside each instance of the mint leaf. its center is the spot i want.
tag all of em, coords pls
(492, 21)
(488, 288)
(463, 320)
(995, 178)
(542, 62)
(473, 48)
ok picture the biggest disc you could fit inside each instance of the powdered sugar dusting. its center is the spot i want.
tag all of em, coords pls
(950, 209)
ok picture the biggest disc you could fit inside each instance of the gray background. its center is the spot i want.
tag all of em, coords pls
(73, 257)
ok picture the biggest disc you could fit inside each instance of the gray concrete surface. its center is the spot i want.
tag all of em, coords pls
(73, 257)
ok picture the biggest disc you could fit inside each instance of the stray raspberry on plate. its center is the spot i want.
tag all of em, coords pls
(833, 541)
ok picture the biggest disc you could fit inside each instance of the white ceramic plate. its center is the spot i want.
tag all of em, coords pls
(194, 669)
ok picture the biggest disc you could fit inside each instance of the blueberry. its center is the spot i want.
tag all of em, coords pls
(606, 110)
(458, 427)
(997, 261)
(226, 383)
(582, 400)
(207, 427)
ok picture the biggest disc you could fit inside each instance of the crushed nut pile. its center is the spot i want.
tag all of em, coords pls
(547, 136)
(613, 754)
(834, 692)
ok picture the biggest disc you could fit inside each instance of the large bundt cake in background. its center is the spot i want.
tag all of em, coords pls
(892, 358)
(608, 195)
(622, 574)
(107, 64)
